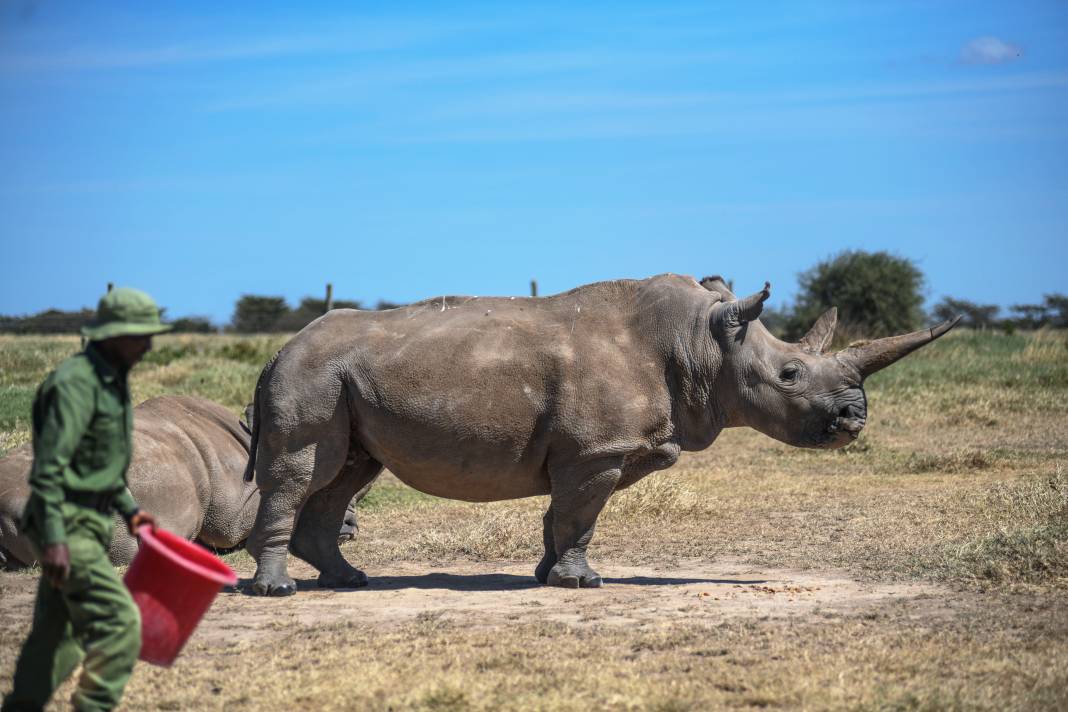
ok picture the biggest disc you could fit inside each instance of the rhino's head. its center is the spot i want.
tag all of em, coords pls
(796, 393)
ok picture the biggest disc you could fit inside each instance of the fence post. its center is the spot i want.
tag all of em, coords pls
(533, 287)
(329, 296)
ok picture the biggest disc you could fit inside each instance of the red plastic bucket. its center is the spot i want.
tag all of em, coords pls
(173, 582)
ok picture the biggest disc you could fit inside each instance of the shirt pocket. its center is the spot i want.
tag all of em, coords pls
(107, 433)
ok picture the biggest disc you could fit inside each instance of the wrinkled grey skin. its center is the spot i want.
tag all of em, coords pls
(188, 458)
(575, 396)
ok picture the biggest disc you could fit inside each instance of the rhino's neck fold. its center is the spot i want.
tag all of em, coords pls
(693, 366)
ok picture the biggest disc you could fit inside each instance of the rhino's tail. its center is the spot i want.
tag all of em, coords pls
(254, 411)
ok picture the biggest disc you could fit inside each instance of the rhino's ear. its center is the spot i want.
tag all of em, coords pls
(247, 423)
(717, 285)
(819, 336)
(749, 308)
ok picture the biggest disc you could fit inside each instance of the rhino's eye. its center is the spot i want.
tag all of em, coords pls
(790, 374)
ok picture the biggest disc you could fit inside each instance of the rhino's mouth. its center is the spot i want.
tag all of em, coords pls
(844, 429)
(850, 426)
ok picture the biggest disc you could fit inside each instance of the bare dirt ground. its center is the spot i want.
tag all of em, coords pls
(494, 594)
(696, 634)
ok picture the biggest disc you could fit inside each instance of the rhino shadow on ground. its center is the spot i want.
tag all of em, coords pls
(493, 582)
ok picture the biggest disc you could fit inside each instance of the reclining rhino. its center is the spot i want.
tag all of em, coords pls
(188, 457)
(575, 396)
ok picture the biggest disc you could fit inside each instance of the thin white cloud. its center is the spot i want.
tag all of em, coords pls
(353, 37)
(99, 59)
(990, 50)
(592, 101)
(349, 86)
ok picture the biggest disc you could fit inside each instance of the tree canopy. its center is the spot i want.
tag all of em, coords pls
(877, 294)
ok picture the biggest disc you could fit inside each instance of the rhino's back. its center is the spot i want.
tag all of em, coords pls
(189, 458)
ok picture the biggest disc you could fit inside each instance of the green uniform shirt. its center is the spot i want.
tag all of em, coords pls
(82, 431)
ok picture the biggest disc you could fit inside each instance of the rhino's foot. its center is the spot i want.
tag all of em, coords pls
(267, 585)
(541, 573)
(572, 577)
(348, 532)
(353, 578)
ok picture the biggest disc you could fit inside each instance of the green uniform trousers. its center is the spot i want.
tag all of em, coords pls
(91, 619)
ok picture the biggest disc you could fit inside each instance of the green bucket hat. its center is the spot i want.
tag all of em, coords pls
(124, 311)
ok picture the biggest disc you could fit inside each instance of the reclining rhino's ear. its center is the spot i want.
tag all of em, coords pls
(821, 333)
(250, 411)
(717, 285)
(749, 308)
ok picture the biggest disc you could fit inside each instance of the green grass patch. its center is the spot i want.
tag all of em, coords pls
(964, 358)
(394, 496)
(16, 403)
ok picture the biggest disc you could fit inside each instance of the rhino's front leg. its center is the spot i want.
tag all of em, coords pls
(578, 495)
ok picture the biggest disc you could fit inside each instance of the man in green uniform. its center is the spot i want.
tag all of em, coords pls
(82, 425)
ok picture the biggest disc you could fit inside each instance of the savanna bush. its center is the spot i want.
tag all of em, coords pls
(877, 294)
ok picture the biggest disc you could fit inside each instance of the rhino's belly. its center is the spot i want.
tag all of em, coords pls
(474, 464)
(472, 485)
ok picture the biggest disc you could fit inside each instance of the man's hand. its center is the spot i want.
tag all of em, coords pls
(140, 519)
(55, 563)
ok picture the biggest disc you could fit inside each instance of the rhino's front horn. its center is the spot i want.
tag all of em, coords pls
(877, 355)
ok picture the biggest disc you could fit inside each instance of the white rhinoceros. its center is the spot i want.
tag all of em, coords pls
(575, 396)
(188, 458)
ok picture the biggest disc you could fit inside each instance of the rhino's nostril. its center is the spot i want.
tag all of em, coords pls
(851, 412)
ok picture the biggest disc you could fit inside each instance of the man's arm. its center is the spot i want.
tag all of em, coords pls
(125, 504)
(63, 413)
(134, 515)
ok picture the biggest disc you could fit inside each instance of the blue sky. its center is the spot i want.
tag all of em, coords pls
(201, 151)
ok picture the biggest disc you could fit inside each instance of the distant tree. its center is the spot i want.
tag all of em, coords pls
(384, 304)
(309, 310)
(1029, 316)
(193, 325)
(877, 294)
(50, 321)
(1053, 312)
(257, 314)
(1057, 308)
(977, 316)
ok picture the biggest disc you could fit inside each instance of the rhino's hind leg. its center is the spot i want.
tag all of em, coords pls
(269, 539)
(578, 496)
(315, 538)
(290, 467)
(548, 560)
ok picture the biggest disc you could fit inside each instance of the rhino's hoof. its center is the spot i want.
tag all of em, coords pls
(348, 533)
(593, 581)
(567, 580)
(283, 587)
(352, 579)
(556, 579)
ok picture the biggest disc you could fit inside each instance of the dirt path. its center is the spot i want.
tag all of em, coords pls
(493, 594)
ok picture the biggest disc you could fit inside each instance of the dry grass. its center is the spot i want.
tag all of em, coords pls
(874, 662)
(959, 479)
